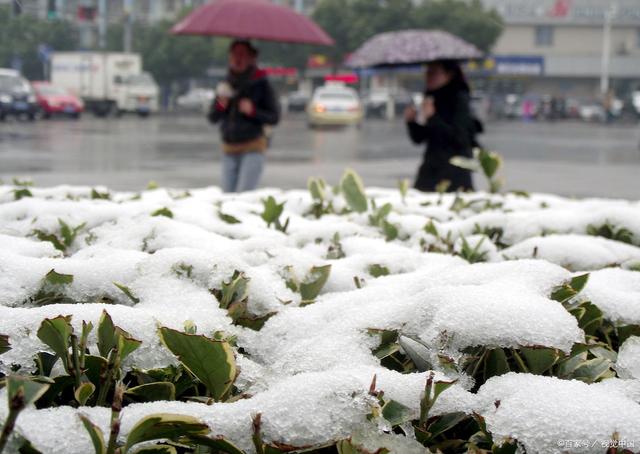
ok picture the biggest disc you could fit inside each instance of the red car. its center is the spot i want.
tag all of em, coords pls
(57, 101)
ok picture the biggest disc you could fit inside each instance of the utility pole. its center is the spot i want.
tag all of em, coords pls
(16, 8)
(127, 8)
(102, 24)
(606, 47)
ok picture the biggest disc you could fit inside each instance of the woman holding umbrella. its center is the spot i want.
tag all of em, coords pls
(444, 121)
(245, 104)
(446, 125)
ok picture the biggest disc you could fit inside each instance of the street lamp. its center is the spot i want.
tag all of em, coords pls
(606, 47)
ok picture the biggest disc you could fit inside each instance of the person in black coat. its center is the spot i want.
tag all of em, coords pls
(446, 125)
(245, 106)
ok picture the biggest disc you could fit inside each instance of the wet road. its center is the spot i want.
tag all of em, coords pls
(183, 151)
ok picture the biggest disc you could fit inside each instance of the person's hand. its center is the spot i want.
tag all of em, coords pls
(246, 107)
(428, 108)
(410, 114)
(223, 102)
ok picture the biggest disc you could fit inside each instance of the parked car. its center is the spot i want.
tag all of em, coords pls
(297, 101)
(335, 105)
(16, 96)
(377, 101)
(196, 99)
(592, 111)
(54, 100)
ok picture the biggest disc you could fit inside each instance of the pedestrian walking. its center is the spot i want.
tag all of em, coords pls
(245, 107)
(445, 123)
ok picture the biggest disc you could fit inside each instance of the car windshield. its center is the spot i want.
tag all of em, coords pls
(51, 90)
(333, 96)
(12, 83)
(140, 79)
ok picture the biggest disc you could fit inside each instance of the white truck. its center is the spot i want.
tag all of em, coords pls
(108, 82)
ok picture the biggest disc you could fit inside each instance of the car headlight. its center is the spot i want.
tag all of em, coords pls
(5, 99)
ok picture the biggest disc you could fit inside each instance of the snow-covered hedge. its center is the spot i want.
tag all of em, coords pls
(331, 318)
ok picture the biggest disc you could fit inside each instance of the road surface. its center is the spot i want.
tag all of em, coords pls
(573, 159)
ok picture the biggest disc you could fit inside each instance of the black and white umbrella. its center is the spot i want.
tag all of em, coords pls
(411, 47)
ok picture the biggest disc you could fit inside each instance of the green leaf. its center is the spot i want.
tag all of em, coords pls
(69, 234)
(218, 444)
(152, 392)
(380, 215)
(157, 449)
(601, 351)
(490, 162)
(5, 346)
(126, 343)
(316, 188)
(166, 212)
(27, 448)
(96, 435)
(403, 186)
(388, 342)
(496, 363)
(106, 334)
(569, 364)
(353, 191)
(540, 359)
(626, 331)
(236, 289)
(592, 370)
(417, 352)
(570, 289)
(390, 231)
(55, 333)
(127, 291)
(95, 195)
(396, 413)
(345, 447)
(589, 316)
(94, 365)
(316, 279)
(376, 270)
(211, 361)
(507, 447)
(164, 426)
(21, 193)
(272, 210)
(24, 390)
(84, 392)
(228, 218)
(242, 317)
(58, 279)
(50, 237)
(431, 229)
(445, 422)
(465, 163)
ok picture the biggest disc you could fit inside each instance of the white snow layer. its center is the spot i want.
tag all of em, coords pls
(309, 368)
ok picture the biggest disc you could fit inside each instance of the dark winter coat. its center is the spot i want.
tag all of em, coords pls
(237, 127)
(450, 132)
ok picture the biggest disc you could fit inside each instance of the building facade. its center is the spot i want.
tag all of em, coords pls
(560, 46)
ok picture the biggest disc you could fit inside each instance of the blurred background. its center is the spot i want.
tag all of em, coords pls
(558, 90)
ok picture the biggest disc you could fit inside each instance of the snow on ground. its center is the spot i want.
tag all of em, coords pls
(310, 367)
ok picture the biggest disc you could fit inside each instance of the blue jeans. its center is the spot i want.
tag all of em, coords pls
(242, 171)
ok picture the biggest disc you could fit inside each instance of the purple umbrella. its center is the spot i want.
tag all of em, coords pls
(411, 47)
